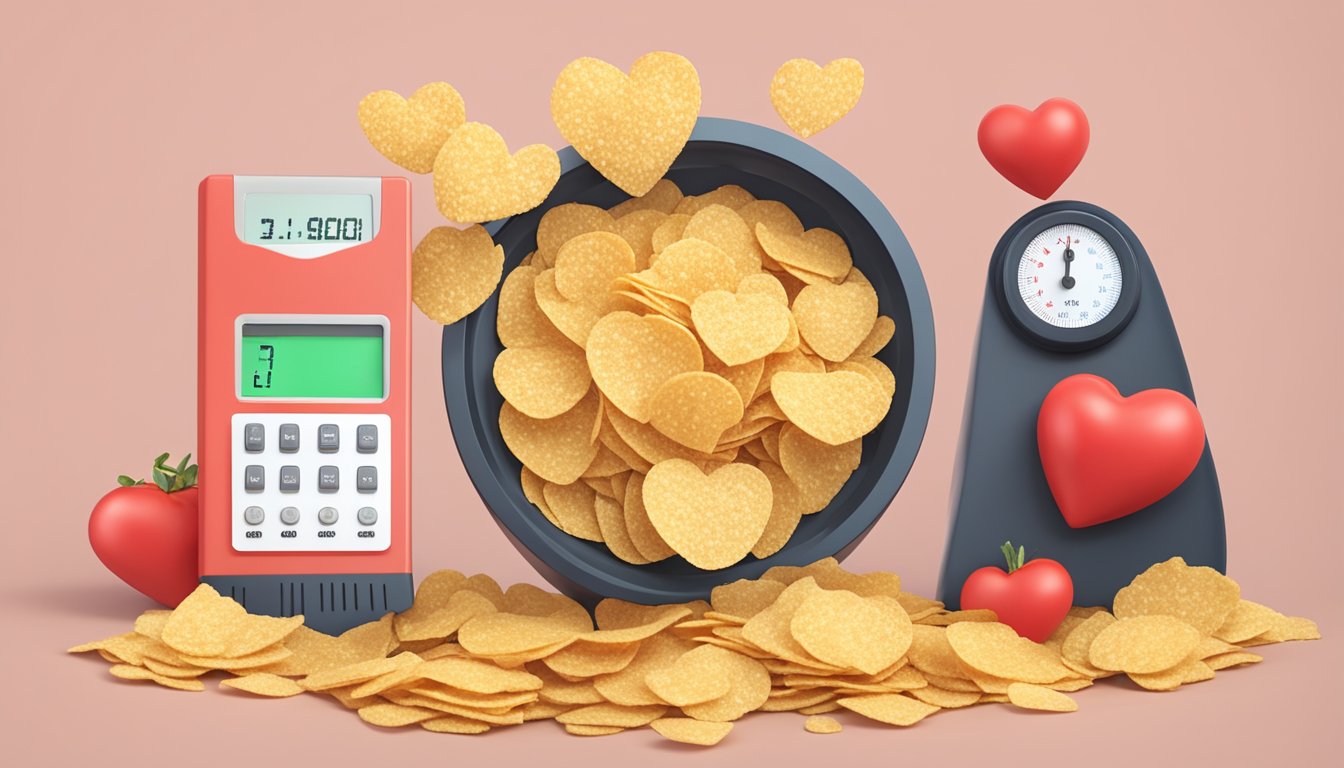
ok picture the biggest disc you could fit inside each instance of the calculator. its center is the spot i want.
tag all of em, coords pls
(304, 395)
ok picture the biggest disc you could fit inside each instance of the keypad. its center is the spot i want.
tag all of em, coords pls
(288, 493)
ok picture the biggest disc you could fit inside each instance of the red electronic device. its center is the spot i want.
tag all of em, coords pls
(304, 395)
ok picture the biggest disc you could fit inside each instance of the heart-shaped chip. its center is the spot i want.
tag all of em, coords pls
(542, 382)
(631, 127)
(711, 520)
(565, 222)
(721, 227)
(475, 178)
(695, 408)
(815, 255)
(557, 449)
(454, 271)
(586, 265)
(832, 407)
(811, 98)
(740, 328)
(835, 319)
(631, 356)
(688, 268)
(410, 132)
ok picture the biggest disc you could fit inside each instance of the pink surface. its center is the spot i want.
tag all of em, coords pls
(1215, 134)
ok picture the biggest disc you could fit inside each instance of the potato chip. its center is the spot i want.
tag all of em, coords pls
(822, 724)
(740, 328)
(1288, 628)
(1143, 644)
(587, 660)
(454, 724)
(696, 677)
(694, 409)
(642, 534)
(811, 98)
(817, 469)
(499, 634)
(668, 233)
(663, 198)
(454, 271)
(476, 180)
(593, 730)
(637, 228)
(786, 511)
(711, 520)
(558, 449)
(995, 649)
(728, 195)
(815, 256)
(388, 715)
(613, 715)
(748, 688)
(1188, 671)
(1229, 660)
(890, 708)
(574, 319)
(632, 356)
(612, 528)
(542, 382)
(565, 222)
(723, 228)
(687, 730)
(872, 368)
(586, 265)
(460, 607)
(575, 509)
(1246, 620)
(687, 268)
(1077, 647)
(520, 321)
(631, 127)
(130, 672)
(264, 684)
(840, 628)
(1198, 596)
(835, 408)
(1028, 696)
(877, 339)
(835, 319)
(359, 672)
(410, 131)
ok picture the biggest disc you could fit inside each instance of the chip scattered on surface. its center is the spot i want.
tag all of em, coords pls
(630, 127)
(694, 338)
(454, 271)
(811, 97)
(410, 131)
(469, 657)
(477, 180)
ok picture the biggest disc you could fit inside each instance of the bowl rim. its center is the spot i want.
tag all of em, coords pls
(553, 561)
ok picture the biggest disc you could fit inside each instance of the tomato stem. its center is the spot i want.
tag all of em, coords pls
(169, 478)
(1016, 557)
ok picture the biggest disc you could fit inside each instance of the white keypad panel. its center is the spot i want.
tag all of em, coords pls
(312, 482)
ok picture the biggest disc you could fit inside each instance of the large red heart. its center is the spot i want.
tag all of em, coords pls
(1036, 150)
(1108, 456)
(148, 539)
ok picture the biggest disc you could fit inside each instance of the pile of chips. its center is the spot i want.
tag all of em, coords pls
(688, 375)
(469, 656)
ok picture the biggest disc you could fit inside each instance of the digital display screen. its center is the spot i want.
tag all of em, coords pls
(279, 219)
(311, 361)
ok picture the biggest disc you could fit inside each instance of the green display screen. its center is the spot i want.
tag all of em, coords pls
(302, 361)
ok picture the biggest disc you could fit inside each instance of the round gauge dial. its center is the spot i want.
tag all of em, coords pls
(1069, 276)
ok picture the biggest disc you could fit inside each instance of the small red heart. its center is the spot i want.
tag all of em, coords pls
(1033, 599)
(147, 538)
(1035, 150)
(1107, 456)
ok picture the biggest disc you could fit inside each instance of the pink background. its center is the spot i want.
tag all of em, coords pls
(1215, 135)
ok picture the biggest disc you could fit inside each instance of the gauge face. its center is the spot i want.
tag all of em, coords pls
(1069, 276)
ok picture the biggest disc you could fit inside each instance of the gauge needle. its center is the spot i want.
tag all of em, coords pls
(1068, 281)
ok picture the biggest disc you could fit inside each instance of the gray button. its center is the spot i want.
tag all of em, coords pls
(328, 438)
(289, 478)
(289, 438)
(328, 478)
(254, 438)
(367, 515)
(253, 515)
(366, 479)
(366, 438)
(327, 515)
(254, 478)
(289, 515)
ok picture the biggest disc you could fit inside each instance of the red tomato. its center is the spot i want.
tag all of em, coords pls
(146, 536)
(1032, 599)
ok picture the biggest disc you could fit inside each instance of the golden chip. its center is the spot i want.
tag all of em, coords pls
(637, 228)
(632, 356)
(728, 195)
(748, 689)
(612, 715)
(1246, 620)
(815, 256)
(723, 228)
(1028, 696)
(129, 672)
(663, 197)
(1143, 644)
(586, 265)
(1198, 596)
(542, 382)
(811, 98)
(454, 271)
(631, 127)
(817, 469)
(476, 180)
(690, 731)
(565, 222)
(711, 520)
(264, 684)
(575, 509)
(520, 321)
(890, 708)
(740, 328)
(995, 649)
(822, 724)
(835, 319)
(410, 131)
(835, 408)
(845, 630)
(694, 409)
(558, 449)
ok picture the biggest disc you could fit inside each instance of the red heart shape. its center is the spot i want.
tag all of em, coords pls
(147, 538)
(1107, 456)
(1035, 150)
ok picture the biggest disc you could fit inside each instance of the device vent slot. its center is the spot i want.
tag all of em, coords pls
(384, 596)
(303, 601)
(354, 593)
(345, 606)
(322, 598)
(372, 606)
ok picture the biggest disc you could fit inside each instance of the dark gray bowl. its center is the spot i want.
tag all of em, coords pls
(771, 166)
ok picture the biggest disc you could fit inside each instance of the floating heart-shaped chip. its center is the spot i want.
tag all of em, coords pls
(811, 98)
(410, 132)
(631, 356)
(740, 328)
(835, 319)
(711, 520)
(453, 271)
(631, 127)
(475, 178)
